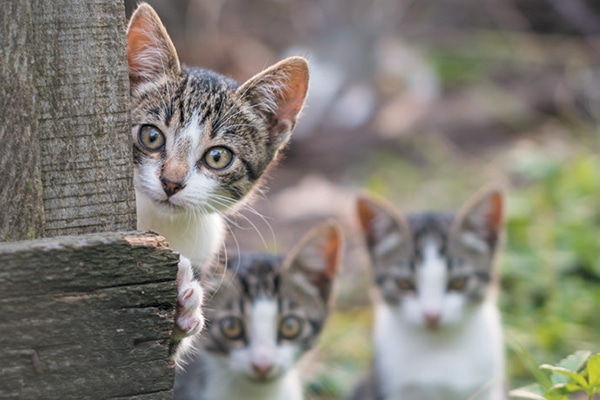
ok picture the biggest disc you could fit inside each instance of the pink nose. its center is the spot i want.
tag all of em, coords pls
(432, 320)
(171, 187)
(262, 369)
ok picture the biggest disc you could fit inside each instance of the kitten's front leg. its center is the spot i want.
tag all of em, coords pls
(188, 314)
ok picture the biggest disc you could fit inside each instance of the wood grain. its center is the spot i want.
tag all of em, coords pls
(65, 133)
(87, 317)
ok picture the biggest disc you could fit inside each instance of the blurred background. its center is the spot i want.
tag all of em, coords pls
(423, 102)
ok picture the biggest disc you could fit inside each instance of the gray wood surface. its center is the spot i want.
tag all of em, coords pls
(21, 204)
(87, 317)
(65, 132)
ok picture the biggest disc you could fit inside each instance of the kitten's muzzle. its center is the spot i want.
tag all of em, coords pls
(171, 187)
(262, 370)
(432, 320)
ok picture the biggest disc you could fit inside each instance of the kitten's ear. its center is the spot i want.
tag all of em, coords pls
(385, 231)
(479, 223)
(150, 52)
(278, 94)
(317, 257)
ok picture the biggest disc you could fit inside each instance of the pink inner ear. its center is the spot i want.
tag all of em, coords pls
(149, 48)
(494, 217)
(330, 248)
(291, 98)
(291, 101)
(365, 214)
(138, 39)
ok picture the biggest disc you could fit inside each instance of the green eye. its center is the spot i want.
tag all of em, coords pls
(232, 328)
(290, 327)
(405, 284)
(458, 283)
(151, 138)
(218, 158)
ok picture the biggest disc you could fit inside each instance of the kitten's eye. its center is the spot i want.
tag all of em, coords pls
(290, 327)
(458, 283)
(232, 328)
(405, 284)
(218, 158)
(151, 138)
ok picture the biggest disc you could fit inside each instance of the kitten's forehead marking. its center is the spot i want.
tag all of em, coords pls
(263, 329)
(432, 276)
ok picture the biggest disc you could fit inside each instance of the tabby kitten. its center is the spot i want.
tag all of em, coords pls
(264, 312)
(437, 329)
(200, 142)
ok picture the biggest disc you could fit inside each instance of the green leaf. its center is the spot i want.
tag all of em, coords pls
(573, 387)
(558, 392)
(593, 370)
(533, 392)
(575, 361)
(559, 374)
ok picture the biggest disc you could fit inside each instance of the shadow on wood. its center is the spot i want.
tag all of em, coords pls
(87, 317)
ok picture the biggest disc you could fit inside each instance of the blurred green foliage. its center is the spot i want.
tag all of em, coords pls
(551, 263)
(578, 374)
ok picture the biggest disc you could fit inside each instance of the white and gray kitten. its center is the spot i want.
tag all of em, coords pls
(201, 142)
(264, 312)
(437, 329)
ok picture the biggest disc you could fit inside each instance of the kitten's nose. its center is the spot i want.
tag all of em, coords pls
(171, 187)
(262, 369)
(432, 320)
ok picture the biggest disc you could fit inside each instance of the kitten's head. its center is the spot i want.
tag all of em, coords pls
(430, 266)
(264, 311)
(201, 140)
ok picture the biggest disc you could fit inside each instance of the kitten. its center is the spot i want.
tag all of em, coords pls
(437, 329)
(201, 142)
(264, 312)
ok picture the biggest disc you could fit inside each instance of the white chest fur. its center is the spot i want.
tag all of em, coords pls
(464, 362)
(196, 236)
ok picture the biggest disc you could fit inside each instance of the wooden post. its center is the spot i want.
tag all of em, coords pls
(65, 119)
(88, 316)
(21, 201)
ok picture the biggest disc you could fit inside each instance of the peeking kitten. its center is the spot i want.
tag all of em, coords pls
(264, 312)
(201, 143)
(201, 140)
(437, 330)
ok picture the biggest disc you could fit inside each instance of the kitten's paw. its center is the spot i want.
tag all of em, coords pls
(188, 315)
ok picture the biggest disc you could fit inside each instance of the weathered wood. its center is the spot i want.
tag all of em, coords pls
(21, 214)
(87, 317)
(83, 113)
(65, 118)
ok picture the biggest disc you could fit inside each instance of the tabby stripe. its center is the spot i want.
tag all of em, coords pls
(216, 121)
(179, 96)
(169, 114)
(155, 112)
(235, 192)
(249, 170)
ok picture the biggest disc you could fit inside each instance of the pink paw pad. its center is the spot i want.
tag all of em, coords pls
(188, 316)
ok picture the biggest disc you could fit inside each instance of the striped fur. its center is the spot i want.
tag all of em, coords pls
(195, 112)
(437, 329)
(264, 293)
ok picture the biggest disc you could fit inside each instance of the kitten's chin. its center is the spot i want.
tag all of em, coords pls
(264, 379)
(163, 206)
(170, 208)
